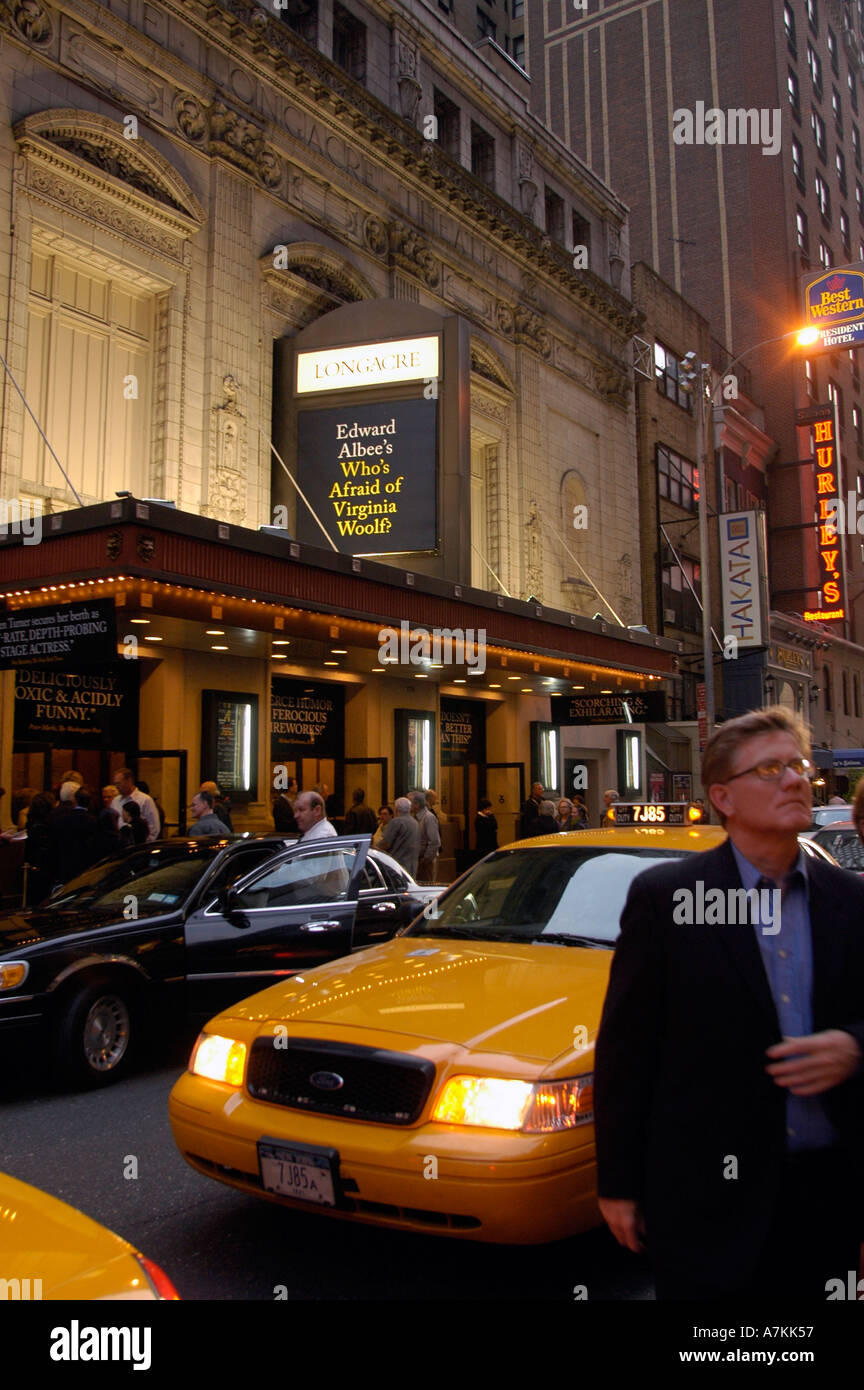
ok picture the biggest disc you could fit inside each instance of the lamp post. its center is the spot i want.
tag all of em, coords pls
(691, 372)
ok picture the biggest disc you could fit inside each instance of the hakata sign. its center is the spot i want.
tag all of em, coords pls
(71, 632)
(609, 709)
(368, 364)
(834, 304)
(370, 473)
(307, 720)
(826, 453)
(740, 572)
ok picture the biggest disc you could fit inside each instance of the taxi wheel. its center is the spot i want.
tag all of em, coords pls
(95, 1031)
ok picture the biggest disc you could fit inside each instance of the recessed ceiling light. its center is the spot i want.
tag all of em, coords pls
(214, 632)
(339, 651)
(526, 690)
(152, 639)
(281, 642)
(514, 678)
(475, 673)
(549, 682)
(420, 676)
(436, 665)
(460, 681)
(215, 647)
(577, 687)
(331, 663)
(379, 668)
(605, 692)
(494, 687)
(139, 620)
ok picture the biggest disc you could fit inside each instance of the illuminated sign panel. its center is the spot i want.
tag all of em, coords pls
(368, 364)
(651, 813)
(834, 304)
(740, 571)
(369, 472)
(828, 487)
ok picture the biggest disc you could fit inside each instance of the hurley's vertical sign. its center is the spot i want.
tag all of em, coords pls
(832, 576)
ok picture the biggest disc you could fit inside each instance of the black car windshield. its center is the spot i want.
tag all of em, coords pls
(560, 895)
(159, 878)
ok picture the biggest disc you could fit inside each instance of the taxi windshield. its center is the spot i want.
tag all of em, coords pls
(561, 895)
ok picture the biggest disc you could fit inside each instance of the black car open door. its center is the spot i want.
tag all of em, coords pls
(292, 913)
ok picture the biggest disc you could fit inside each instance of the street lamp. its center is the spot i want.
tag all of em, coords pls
(692, 372)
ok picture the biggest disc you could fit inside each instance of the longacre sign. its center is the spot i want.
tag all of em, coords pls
(826, 453)
(369, 364)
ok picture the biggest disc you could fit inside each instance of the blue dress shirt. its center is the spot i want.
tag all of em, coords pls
(787, 956)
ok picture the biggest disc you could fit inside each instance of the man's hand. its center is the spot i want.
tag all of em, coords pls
(815, 1063)
(625, 1221)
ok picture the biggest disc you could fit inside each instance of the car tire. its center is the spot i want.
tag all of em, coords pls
(96, 1031)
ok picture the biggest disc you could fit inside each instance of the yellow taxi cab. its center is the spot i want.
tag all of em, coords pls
(442, 1081)
(49, 1250)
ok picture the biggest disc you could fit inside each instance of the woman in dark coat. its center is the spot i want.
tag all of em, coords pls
(485, 828)
(133, 831)
(41, 849)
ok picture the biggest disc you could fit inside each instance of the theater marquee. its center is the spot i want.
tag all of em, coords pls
(368, 364)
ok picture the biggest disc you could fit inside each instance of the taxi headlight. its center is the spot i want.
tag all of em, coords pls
(219, 1059)
(13, 973)
(499, 1103)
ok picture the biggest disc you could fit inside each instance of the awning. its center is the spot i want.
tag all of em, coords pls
(847, 757)
(823, 758)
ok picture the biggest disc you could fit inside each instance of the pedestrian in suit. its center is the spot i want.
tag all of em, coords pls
(729, 1085)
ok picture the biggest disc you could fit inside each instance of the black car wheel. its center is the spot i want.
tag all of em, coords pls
(95, 1031)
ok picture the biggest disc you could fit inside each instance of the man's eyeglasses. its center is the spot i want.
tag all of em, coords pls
(773, 768)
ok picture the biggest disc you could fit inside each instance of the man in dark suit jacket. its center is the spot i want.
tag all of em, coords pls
(729, 1085)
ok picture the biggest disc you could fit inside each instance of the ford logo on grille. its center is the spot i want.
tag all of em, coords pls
(327, 1080)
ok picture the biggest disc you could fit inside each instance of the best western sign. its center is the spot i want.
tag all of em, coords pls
(368, 364)
(834, 304)
(828, 488)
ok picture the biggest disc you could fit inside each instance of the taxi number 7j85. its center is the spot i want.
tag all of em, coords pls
(649, 813)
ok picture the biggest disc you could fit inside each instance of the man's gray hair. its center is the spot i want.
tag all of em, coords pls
(68, 790)
(402, 806)
(419, 799)
(547, 808)
(316, 799)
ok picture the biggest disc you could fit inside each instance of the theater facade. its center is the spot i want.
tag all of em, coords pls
(319, 354)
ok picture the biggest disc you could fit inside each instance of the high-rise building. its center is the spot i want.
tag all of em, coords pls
(733, 132)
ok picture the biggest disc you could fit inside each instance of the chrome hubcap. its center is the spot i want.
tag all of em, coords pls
(106, 1032)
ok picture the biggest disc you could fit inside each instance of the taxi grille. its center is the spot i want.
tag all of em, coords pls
(384, 1087)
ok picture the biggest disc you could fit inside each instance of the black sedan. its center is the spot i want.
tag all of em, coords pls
(181, 928)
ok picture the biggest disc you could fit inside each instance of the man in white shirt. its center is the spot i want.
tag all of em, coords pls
(125, 781)
(311, 816)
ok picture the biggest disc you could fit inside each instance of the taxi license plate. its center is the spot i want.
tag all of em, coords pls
(291, 1170)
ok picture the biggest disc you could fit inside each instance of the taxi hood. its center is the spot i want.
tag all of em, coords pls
(526, 1000)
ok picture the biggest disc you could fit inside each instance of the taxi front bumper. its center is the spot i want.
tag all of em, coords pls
(487, 1185)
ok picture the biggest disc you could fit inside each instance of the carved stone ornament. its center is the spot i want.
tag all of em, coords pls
(535, 568)
(612, 383)
(33, 21)
(375, 236)
(113, 544)
(410, 251)
(105, 155)
(269, 169)
(528, 191)
(145, 548)
(504, 319)
(410, 93)
(528, 331)
(190, 117)
(235, 138)
(230, 392)
(525, 159)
